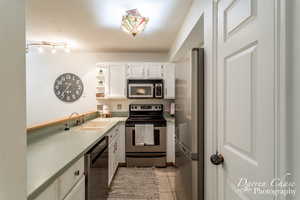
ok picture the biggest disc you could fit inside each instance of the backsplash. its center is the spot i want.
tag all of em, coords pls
(122, 105)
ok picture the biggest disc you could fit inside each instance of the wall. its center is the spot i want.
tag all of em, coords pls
(193, 16)
(114, 103)
(293, 91)
(44, 68)
(12, 106)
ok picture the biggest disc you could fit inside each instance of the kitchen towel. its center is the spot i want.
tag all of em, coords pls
(144, 134)
(139, 134)
(149, 134)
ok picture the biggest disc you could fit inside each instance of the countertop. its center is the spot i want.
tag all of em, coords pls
(49, 157)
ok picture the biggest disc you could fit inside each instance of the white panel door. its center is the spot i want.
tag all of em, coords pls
(245, 96)
(117, 80)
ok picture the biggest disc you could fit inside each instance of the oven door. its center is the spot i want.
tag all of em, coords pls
(159, 141)
(140, 90)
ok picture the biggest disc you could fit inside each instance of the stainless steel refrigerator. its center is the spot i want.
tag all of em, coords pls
(189, 181)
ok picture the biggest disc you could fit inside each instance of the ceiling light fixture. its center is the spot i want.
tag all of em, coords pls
(41, 46)
(133, 23)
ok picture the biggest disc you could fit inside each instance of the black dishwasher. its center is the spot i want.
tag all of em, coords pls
(96, 170)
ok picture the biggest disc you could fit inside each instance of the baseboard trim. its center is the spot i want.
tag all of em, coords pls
(122, 165)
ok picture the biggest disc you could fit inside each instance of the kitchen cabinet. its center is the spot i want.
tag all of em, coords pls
(113, 78)
(78, 192)
(113, 161)
(169, 81)
(136, 71)
(69, 186)
(170, 141)
(70, 177)
(145, 70)
(121, 148)
(154, 70)
(51, 193)
(116, 150)
(116, 81)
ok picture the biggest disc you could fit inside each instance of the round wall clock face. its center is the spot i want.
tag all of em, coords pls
(68, 87)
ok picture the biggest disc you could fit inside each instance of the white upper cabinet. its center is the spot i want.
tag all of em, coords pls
(169, 81)
(136, 70)
(114, 77)
(145, 70)
(154, 70)
(116, 81)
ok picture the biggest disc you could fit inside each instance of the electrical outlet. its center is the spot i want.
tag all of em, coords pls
(119, 106)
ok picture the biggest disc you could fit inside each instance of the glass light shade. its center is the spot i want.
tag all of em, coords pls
(133, 23)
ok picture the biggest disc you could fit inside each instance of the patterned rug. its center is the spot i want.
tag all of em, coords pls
(135, 184)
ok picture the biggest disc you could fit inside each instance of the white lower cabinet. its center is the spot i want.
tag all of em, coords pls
(170, 142)
(113, 159)
(69, 186)
(51, 193)
(116, 150)
(78, 192)
(70, 177)
(110, 163)
(121, 143)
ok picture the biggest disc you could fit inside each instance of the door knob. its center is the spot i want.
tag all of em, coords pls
(217, 159)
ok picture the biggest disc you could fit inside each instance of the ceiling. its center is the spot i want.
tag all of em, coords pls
(94, 25)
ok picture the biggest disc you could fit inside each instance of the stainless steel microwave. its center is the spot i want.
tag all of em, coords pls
(145, 89)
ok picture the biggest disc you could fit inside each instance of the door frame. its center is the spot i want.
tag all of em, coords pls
(211, 60)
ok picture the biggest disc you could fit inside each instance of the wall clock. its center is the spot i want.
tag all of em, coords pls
(68, 87)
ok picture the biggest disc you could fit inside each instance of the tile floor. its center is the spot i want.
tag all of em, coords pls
(166, 178)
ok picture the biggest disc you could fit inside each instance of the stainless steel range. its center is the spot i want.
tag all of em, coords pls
(146, 136)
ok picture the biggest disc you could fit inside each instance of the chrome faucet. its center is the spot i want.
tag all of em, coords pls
(67, 125)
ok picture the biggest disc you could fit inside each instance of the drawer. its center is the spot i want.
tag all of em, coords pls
(70, 177)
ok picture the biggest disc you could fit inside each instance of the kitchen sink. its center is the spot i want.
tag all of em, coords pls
(93, 125)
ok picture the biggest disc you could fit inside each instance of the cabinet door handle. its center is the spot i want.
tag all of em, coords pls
(77, 173)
